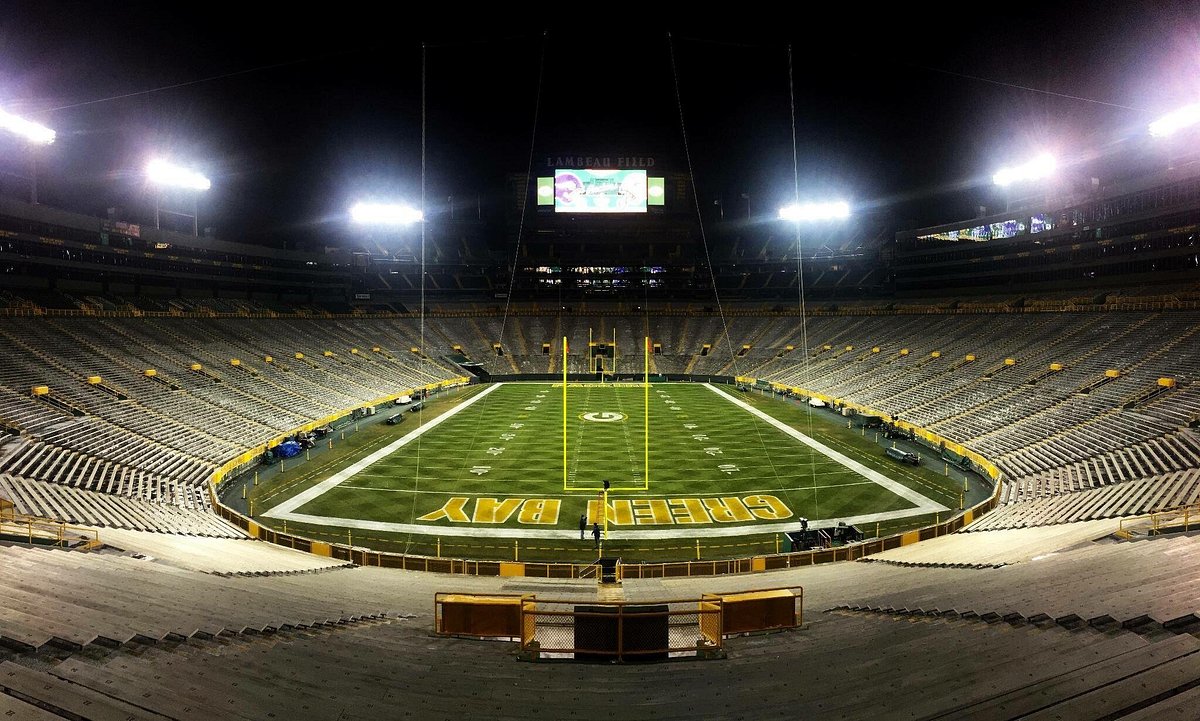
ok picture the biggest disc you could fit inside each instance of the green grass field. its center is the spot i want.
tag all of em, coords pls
(486, 478)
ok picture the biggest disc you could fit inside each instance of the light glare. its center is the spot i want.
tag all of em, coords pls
(161, 172)
(29, 130)
(385, 214)
(1178, 120)
(816, 211)
(1040, 167)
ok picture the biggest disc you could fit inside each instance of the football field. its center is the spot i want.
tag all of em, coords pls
(682, 460)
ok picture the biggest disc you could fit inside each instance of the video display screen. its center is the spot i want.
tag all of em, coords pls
(1041, 223)
(657, 191)
(598, 191)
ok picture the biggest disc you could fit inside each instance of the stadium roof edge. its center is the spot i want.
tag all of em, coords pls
(1164, 177)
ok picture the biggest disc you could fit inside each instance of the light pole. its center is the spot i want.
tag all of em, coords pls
(809, 213)
(164, 174)
(36, 135)
(832, 210)
(392, 214)
(385, 215)
(812, 213)
(1173, 122)
(1041, 166)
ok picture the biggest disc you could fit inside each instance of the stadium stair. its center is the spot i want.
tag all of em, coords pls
(223, 556)
(437, 678)
(71, 601)
(84, 686)
(1125, 676)
(522, 346)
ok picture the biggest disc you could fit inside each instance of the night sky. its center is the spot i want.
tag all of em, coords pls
(294, 117)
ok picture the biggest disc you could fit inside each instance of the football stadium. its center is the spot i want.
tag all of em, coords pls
(486, 383)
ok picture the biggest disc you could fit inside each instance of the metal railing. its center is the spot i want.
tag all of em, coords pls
(621, 631)
(882, 308)
(37, 529)
(670, 569)
(363, 556)
(1166, 520)
(583, 629)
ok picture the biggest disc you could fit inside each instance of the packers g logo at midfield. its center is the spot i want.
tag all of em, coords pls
(603, 416)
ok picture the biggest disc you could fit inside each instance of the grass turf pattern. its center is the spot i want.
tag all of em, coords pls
(508, 447)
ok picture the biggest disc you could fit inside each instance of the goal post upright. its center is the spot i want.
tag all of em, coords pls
(564, 405)
(646, 425)
(568, 485)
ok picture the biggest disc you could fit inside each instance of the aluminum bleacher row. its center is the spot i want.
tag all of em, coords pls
(1061, 402)
(1035, 620)
(1128, 498)
(1053, 429)
(1091, 631)
(109, 510)
(149, 442)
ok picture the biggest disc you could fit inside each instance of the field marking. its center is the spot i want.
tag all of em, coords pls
(284, 510)
(922, 503)
(744, 477)
(680, 530)
(591, 493)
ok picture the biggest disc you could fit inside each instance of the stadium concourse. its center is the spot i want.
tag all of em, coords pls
(1040, 609)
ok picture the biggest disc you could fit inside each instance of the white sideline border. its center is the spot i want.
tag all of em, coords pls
(286, 510)
(923, 504)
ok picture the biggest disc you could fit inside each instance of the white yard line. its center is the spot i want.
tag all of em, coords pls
(284, 510)
(591, 492)
(617, 532)
(924, 505)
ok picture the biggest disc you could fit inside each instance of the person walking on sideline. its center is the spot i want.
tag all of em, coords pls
(596, 533)
(582, 525)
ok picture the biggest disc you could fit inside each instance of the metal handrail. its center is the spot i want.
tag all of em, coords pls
(1156, 518)
(23, 524)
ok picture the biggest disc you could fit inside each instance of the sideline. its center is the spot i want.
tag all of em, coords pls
(923, 504)
(284, 510)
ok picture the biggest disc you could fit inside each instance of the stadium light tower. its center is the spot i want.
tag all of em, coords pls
(31, 131)
(385, 225)
(36, 135)
(813, 213)
(833, 210)
(394, 214)
(164, 174)
(1039, 167)
(1175, 121)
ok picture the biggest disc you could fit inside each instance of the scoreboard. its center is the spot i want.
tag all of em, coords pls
(600, 184)
(600, 190)
(601, 210)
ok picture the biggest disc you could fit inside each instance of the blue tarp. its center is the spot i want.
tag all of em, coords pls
(287, 449)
